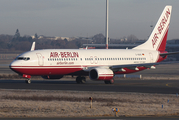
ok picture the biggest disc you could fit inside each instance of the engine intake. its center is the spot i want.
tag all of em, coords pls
(101, 74)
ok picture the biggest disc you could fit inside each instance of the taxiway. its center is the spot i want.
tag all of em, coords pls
(140, 86)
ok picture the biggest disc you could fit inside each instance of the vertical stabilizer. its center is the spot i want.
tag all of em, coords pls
(158, 37)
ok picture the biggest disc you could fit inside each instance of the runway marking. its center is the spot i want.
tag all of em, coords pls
(169, 85)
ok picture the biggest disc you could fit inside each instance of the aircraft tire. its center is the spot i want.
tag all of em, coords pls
(78, 80)
(106, 81)
(109, 81)
(28, 81)
(83, 80)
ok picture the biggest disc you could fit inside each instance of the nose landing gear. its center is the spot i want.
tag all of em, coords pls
(28, 81)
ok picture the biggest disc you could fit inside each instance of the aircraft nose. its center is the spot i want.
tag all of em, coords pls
(13, 66)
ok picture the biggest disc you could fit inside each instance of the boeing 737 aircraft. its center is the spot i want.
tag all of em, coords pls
(99, 64)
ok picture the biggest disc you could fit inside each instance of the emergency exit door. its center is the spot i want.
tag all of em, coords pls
(40, 59)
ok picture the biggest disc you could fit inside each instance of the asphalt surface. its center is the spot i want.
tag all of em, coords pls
(100, 118)
(140, 86)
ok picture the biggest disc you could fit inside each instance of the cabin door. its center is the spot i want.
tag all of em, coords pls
(151, 57)
(40, 59)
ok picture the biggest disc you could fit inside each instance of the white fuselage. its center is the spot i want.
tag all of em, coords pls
(68, 61)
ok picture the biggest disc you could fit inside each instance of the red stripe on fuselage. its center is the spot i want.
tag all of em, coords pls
(62, 70)
(46, 70)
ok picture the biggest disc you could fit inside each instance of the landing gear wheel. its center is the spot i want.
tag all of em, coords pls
(83, 80)
(106, 82)
(28, 81)
(80, 80)
(109, 81)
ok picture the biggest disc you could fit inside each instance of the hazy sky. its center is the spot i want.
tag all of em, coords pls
(73, 18)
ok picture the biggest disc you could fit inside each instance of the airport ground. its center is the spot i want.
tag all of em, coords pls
(155, 95)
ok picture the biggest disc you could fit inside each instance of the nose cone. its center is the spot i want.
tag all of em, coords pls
(14, 66)
(11, 66)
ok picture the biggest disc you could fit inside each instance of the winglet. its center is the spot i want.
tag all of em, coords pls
(33, 46)
(158, 38)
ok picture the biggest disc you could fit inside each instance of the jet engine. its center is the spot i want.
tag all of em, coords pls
(52, 76)
(101, 74)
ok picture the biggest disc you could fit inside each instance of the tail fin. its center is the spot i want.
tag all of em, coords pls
(158, 38)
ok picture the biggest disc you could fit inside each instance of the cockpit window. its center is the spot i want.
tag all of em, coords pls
(23, 58)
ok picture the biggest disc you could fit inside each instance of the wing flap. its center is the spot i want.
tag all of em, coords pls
(135, 66)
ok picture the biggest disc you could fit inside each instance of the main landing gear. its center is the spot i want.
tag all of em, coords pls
(109, 81)
(80, 80)
(28, 81)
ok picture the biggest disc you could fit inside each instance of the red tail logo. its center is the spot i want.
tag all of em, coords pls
(160, 28)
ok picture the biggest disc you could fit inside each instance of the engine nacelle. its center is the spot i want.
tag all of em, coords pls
(101, 74)
(52, 76)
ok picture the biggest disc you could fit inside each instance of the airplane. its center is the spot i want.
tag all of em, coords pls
(98, 64)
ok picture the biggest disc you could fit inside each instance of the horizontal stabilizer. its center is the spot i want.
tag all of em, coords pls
(169, 53)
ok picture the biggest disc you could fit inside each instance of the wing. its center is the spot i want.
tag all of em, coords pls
(135, 66)
(115, 68)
